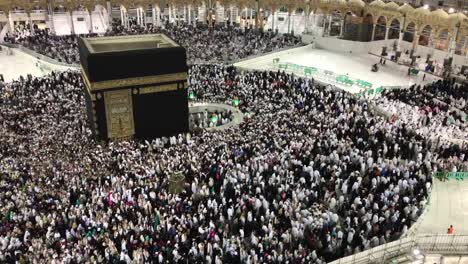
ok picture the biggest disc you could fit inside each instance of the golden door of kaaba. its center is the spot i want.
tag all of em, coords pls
(135, 86)
(119, 114)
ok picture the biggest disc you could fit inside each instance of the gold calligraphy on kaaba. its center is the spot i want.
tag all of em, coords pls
(119, 114)
(131, 82)
(159, 88)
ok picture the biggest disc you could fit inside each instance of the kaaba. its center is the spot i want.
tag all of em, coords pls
(135, 86)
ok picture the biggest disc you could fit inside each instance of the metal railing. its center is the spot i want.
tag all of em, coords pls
(345, 81)
(459, 176)
(426, 244)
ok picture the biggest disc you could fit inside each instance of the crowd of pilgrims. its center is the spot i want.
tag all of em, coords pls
(219, 44)
(426, 114)
(434, 111)
(43, 41)
(455, 95)
(206, 119)
(311, 175)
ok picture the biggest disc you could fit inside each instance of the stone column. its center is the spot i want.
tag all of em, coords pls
(122, 21)
(400, 38)
(109, 13)
(307, 17)
(342, 26)
(170, 14)
(31, 26)
(138, 16)
(465, 43)
(415, 40)
(195, 15)
(145, 18)
(245, 20)
(142, 17)
(329, 24)
(373, 32)
(292, 22)
(314, 21)
(387, 29)
(72, 27)
(12, 23)
(127, 22)
(189, 14)
(158, 16)
(432, 42)
(50, 17)
(210, 14)
(453, 41)
(452, 46)
(273, 21)
(153, 15)
(90, 21)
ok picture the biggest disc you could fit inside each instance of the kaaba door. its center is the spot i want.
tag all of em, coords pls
(119, 114)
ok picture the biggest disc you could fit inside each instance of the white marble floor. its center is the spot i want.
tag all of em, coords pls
(357, 66)
(448, 206)
(20, 64)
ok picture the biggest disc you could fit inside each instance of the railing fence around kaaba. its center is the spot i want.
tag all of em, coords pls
(424, 244)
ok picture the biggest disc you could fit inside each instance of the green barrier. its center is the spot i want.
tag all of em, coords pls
(364, 84)
(458, 176)
(344, 79)
(329, 76)
(378, 90)
(439, 175)
(296, 67)
(308, 71)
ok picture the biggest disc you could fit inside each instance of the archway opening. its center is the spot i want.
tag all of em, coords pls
(367, 24)
(349, 25)
(409, 32)
(380, 28)
(442, 41)
(425, 37)
(394, 31)
(333, 23)
(461, 47)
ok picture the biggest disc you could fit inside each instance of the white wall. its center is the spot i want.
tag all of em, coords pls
(99, 25)
(39, 16)
(297, 22)
(341, 45)
(61, 24)
(20, 17)
(81, 27)
(5, 29)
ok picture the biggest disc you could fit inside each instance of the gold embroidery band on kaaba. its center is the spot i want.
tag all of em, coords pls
(119, 83)
(159, 88)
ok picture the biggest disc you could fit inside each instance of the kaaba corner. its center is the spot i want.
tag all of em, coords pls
(135, 86)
